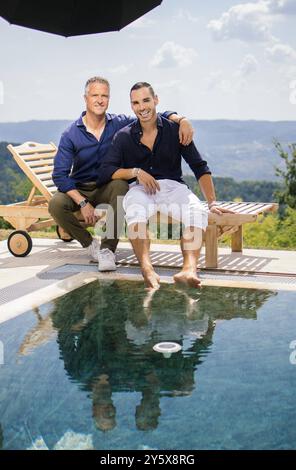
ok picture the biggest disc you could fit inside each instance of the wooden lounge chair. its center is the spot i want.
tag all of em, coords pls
(36, 160)
(229, 224)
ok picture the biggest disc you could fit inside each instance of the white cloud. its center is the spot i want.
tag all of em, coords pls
(185, 15)
(235, 82)
(120, 69)
(250, 21)
(171, 54)
(248, 66)
(246, 21)
(282, 6)
(281, 53)
(219, 81)
(167, 85)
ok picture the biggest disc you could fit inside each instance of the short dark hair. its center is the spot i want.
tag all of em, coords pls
(139, 85)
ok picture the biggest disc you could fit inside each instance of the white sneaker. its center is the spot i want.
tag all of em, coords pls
(106, 260)
(93, 249)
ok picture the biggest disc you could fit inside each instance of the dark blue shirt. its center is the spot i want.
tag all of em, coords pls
(80, 153)
(163, 162)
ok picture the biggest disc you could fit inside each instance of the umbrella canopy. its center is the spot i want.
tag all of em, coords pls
(74, 17)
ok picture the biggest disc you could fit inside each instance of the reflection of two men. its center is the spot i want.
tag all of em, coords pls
(106, 344)
(106, 331)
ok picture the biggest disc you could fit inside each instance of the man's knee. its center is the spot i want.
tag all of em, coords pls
(136, 213)
(59, 204)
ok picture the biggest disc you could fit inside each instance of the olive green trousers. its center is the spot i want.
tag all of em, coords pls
(62, 207)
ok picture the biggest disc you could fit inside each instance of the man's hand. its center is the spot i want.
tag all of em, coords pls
(88, 213)
(186, 132)
(150, 184)
(216, 209)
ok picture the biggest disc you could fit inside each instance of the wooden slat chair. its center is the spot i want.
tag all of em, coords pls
(226, 224)
(231, 224)
(36, 160)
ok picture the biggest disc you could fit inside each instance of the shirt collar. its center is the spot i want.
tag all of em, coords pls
(80, 122)
(137, 129)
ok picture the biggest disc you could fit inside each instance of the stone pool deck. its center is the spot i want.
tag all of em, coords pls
(54, 268)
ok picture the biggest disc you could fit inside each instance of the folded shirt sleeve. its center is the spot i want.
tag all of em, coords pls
(192, 156)
(112, 162)
(63, 164)
(167, 114)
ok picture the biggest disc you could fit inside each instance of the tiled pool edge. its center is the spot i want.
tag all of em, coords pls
(12, 309)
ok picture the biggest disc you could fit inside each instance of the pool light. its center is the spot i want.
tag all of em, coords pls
(167, 348)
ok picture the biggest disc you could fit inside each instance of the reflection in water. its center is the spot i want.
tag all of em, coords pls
(106, 332)
(38, 335)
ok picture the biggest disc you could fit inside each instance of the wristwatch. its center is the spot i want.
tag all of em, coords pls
(83, 203)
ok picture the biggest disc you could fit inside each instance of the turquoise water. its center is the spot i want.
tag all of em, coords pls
(80, 372)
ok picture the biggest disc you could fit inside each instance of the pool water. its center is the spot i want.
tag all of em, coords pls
(80, 372)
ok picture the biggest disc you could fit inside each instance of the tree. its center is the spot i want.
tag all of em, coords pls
(287, 195)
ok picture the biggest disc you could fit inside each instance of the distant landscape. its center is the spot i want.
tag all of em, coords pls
(243, 150)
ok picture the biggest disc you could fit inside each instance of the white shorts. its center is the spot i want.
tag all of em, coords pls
(174, 199)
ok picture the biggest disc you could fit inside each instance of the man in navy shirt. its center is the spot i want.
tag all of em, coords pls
(76, 167)
(147, 153)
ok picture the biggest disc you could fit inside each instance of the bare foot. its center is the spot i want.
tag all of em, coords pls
(188, 277)
(151, 278)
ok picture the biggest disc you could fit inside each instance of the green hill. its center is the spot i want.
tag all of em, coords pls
(13, 183)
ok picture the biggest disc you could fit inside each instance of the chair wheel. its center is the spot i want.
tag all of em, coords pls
(63, 235)
(19, 243)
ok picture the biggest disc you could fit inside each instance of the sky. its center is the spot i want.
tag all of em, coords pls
(214, 59)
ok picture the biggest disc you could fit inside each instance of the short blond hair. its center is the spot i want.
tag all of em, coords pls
(96, 79)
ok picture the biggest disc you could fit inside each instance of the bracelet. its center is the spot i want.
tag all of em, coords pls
(136, 172)
(213, 203)
(181, 118)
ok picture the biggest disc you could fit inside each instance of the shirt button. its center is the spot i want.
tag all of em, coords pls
(151, 168)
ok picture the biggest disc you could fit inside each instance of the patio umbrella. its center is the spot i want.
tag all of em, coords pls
(75, 17)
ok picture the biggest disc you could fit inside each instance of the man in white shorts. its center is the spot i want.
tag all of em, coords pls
(148, 154)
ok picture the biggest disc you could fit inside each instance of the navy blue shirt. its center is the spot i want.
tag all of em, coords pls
(80, 153)
(163, 162)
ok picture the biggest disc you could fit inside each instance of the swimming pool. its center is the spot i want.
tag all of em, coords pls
(80, 372)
